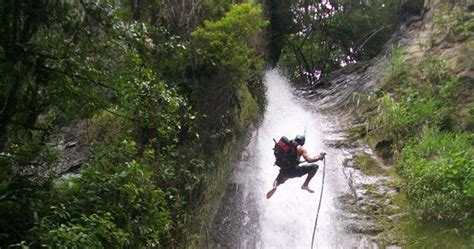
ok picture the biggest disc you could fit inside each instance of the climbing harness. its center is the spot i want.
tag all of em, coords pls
(319, 205)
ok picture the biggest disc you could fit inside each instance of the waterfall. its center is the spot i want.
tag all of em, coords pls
(247, 219)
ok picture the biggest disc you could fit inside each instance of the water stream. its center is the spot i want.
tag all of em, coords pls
(248, 220)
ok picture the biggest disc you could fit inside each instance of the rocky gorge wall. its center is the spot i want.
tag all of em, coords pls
(439, 29)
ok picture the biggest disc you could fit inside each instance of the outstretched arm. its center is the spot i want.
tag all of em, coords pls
(302, 151)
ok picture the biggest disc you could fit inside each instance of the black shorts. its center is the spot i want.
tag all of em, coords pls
(296, 171)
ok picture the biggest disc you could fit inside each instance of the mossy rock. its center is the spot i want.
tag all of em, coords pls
(367, 164)
(371, 189)
(249, 110)
(356, 132)
(466, 117)
(105, 125)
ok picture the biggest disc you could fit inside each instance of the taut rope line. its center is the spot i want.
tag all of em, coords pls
(319, 205)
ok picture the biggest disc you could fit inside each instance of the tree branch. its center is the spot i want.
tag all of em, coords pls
(121, 115)
(76, 76)
(372, 35)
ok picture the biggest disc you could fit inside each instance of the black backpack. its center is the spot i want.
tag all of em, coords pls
(285, 153)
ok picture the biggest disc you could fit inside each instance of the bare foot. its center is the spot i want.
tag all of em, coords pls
(271, 192)
(307, 188)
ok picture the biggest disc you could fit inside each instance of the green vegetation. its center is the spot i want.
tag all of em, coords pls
(433, 151)
(421, 120)
(417, 235)
(421, 112)
(161, 98)
(403, 228)
(452, 23)
(320, 37)
(158, 96)
(220, 43)
(220, 54)
(116, 205)
(438, 170)
(367, 164)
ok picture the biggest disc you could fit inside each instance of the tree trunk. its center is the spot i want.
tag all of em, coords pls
(137, 6)
(20, 21)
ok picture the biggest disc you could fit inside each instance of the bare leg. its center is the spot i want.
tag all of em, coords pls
(308, 178)
(272, 191)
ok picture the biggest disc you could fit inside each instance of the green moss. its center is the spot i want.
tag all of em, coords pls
(215, 183)
(356, 132)
(369, 187)
(103, 126)
(409, 232)
(398, 70)
(452, 22)
(395, 181)
(403, 228)
(373, 192)
(467, 117)
(249, 109)
(435, 175)
(367, 164)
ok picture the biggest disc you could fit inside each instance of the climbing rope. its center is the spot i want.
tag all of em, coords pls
(319, 205)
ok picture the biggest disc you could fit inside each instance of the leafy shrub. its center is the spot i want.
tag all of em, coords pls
(314, 36)
(421, 100)
(111, 205)
(422, 93)
(435, 71)
(452, 22)
(93, 231)
(397, 71)
(145, 175)
(397, 120)
(439, 172)
(226, 42)
(103, 126)
(224, 62)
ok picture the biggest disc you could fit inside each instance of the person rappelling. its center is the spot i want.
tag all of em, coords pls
(288, 155)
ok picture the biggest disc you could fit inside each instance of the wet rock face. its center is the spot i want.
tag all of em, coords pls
(374, 197)
(72, 151)
(409, 8)
(234, 222)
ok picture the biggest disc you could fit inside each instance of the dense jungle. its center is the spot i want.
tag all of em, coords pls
(149, 123)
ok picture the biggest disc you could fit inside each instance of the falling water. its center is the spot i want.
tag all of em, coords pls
(247, 219)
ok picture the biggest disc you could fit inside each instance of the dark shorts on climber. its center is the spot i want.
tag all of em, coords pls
(294, 171)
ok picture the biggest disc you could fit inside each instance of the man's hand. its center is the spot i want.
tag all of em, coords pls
(322, 155)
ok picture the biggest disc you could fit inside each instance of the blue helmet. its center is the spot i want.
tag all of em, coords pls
(300, 139)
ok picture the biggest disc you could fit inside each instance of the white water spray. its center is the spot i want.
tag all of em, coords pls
(287, 219)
